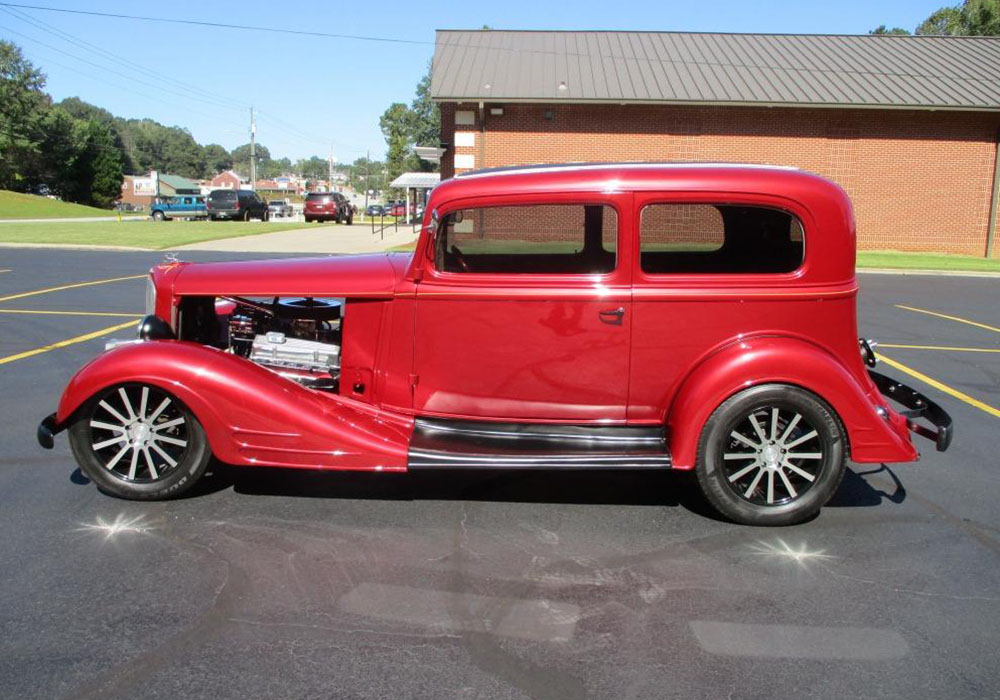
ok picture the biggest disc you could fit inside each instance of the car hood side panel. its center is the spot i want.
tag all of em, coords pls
(367, 276)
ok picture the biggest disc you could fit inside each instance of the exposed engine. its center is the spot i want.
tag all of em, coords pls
(299, 338)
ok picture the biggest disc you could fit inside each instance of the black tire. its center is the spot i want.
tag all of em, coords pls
(158, 216)
(266, 216)
(159, 457)
(350, 220)
(309, 220)
(757, 478)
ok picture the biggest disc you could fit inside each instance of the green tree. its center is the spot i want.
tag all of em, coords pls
(426, 120)
(396, 124)
(314, 168)
(947, 20)
(971, 18)
(241, 158)
(23, 105)
(884, 31)
(217, 159)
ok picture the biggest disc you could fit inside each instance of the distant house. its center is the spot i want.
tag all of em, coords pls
(141, 190)
(169, 185)
(226, 180)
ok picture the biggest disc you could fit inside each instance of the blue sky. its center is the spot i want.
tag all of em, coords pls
(316, 93)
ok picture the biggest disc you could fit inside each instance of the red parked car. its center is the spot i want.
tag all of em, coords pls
(691, 317)
(328, 206)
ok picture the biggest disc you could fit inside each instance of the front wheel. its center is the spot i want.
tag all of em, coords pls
(771, 455)
(158, 216)
(139, 442)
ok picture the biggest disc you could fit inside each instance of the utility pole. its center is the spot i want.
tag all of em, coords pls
(253, 151)
(330, 185)
(368, 177)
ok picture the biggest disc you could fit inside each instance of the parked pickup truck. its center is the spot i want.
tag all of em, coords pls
(280, 207)
(180, 207)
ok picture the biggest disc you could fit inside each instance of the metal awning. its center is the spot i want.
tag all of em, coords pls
(416, 180)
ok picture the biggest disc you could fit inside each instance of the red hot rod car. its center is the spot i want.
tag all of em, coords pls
(588, 316)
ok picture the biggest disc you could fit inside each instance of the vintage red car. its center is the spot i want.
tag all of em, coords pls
(584, 317)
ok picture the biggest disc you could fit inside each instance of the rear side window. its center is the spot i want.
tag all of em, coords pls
(529, 239)
(719, 239)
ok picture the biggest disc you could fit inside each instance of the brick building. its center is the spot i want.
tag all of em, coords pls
(909, 126)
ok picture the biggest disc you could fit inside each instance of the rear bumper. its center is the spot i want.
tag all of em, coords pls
(917, 406)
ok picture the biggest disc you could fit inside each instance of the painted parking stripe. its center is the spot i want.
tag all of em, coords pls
(936, 347)
(22, 295)
(75, 313)
(64, 343)
(961, 396)
(799, 642)
(959, 319)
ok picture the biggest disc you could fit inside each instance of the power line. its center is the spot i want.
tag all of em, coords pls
(221, 25)
(128, 63)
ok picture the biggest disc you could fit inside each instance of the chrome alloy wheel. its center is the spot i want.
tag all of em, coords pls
(138, 433)
(772, 456)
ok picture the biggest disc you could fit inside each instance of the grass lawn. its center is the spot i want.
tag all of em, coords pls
(926, 261)
(14, 205)
(155, 235)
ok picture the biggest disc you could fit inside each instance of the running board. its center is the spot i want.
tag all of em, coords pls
(443, 444)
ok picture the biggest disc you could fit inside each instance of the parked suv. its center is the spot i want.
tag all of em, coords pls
(687, 317)
(236, 204)
(328, 206)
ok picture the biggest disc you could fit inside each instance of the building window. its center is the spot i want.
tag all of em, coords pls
(465, 117)
(719, 239)
(529, 239)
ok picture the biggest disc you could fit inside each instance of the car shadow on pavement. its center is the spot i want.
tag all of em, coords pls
(864, 488)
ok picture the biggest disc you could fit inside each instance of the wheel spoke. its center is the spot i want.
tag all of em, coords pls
(134, 462)
(127, 404)
(788, 484)
(804, 455)
(753, 484)
(159, 410)
(774, 424)
(107, 407)
(117, 458)
(156, 437)
(770, 486)
(107, 443)
(168, 424)
(759, 430)
(107, 426)
(744, 439)
(740, 455)
(142, 402)
(801, 472)
(167, 458)
(790, 427)
(743, 472)
(799, 440)
(149, 462)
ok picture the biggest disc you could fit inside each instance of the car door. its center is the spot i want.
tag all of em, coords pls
(523, 312)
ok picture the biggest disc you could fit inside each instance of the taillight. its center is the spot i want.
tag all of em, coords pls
(237, 204)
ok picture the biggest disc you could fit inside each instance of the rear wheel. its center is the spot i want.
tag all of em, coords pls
(771, 455)
(139, 442)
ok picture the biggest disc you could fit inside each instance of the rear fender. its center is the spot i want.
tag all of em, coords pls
(782, 360)
(250, 414)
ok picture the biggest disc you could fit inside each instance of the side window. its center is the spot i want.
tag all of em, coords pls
(718, 239)
(529, 239)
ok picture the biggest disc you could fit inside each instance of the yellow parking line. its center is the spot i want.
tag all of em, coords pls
(69, 286)
(928, 347)
(939, 315)
(75, 313)
(64, 343)
(940, 387)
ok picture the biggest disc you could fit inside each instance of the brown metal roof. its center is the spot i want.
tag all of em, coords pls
(921, 72)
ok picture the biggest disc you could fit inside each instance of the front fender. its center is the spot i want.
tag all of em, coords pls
(250, 414)
(783, 360)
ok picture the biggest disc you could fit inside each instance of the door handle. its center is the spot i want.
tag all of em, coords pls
(612, 315)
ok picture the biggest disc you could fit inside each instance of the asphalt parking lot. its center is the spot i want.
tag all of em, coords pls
(554, 585)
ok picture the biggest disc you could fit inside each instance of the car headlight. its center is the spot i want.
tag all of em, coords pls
(150, 296)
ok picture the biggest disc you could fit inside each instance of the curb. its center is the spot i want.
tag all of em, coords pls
(917, 271)
(79, 246)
